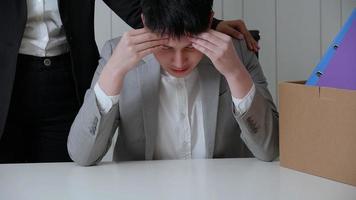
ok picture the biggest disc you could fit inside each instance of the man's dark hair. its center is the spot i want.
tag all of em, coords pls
(177, 18)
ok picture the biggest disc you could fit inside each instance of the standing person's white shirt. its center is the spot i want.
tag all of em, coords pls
(44, 34)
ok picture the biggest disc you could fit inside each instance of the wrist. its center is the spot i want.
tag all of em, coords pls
(111, 79)
(238, 75)
(116, 68)
(240, 82)
(233, 76)
(234, 72)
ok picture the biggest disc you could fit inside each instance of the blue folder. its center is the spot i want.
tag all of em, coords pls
(337, 68)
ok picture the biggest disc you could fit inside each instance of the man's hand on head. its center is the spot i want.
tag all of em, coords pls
(221, 51)
(133, 46)
(238, 30)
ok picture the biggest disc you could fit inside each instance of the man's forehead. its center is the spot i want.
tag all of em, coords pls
(179, 42)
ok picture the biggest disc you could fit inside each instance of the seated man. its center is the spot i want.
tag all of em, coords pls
(176, 89)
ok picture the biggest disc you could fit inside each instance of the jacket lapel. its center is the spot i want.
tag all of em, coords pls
(209, 85)
(149, 76)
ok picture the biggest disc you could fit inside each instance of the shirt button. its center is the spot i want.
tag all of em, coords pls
(47, 62)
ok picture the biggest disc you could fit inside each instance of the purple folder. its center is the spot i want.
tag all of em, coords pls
(337, 69)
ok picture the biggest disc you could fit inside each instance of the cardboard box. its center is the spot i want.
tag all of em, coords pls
(318, 130)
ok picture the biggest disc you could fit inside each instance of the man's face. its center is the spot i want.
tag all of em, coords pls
(178, 57)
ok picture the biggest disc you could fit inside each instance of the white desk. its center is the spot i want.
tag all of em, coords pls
(221, 179)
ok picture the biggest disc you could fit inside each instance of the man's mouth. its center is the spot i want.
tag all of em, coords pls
(180, 70)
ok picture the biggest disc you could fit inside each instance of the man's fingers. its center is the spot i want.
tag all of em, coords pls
(140, 31)
(150, 50)
(205, 43)
(255, 44)
(249, 45)
(234, 33)
(237, 24)
(142, 35)
(222, 36)
(145, 37)
(149, 44)
(204, 50)
(252, 44)
(208, 36)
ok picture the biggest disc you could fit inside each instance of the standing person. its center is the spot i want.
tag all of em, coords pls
(48, 56)
(176, 89)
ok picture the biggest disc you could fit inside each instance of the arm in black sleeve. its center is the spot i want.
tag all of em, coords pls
(130, 12)
(215, 23)
(127, 10)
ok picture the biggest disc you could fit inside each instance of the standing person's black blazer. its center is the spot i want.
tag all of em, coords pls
(78, 21)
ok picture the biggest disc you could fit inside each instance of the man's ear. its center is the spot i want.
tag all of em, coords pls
(211, 16)
(143, 20)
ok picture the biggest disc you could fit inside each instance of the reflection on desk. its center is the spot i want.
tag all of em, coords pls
(174, 179)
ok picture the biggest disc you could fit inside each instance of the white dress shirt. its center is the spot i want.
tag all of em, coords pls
(180, 116)
(180, 122)
(44, 34)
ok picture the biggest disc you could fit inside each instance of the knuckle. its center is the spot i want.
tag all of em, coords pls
(130, 49)
(136, 56)
(214, 59)
(147, 37)
(151, 37)
(220, 54)
(126, 34)
(225, 47)
(240, 22)
(128, 41)
(203, 50)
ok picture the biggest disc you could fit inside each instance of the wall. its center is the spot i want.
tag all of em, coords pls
(294, 33)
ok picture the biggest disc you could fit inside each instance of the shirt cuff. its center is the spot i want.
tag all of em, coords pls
(105, 102)
(242, 105)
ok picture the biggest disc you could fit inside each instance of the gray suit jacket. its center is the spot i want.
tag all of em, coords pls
(226, 134)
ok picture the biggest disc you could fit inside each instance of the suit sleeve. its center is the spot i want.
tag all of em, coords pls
(92, 131)
(259, 124)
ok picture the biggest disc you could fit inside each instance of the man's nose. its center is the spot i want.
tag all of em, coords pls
(179, 60)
